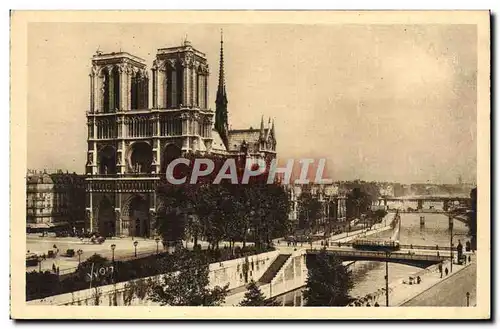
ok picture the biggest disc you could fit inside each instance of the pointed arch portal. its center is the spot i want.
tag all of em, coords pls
(106, 218)
(137, 210)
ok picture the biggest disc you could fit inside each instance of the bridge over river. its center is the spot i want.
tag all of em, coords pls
(424, 203)
(417, 259)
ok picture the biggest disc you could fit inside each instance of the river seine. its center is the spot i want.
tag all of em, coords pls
(369, 276)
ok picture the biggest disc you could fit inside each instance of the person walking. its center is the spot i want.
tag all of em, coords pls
(446, 271)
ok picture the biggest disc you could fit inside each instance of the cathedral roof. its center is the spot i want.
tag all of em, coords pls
(217, 143)
(238, 136)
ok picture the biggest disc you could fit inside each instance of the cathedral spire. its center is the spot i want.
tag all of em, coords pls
(222, 81)
(221, 121)
(262, 131)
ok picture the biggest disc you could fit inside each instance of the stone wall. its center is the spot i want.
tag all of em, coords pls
(220, 274)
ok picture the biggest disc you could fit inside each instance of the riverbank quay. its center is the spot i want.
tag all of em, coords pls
(406, 292)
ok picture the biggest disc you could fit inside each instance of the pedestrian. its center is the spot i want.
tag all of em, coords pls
(53, 267)
(469, 258)
(440, 267)
(446, 271)
(418, 280)
(57, 270)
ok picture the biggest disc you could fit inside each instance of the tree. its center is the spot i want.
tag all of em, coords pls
(189, 285)
(310, 211)
(88, 270)
(359, 201)
(328, 282)
(255, 297)
(171, 216)
(41, 284)
(472, 219)
(379, 214)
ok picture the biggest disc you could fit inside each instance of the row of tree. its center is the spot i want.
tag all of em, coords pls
(312, 213)
(255, 212)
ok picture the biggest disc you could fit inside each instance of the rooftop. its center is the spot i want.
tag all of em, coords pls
(186, 46)
(117, 55)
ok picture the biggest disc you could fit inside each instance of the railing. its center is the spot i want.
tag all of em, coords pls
(382, 255)
(402, 246)
(126, 175)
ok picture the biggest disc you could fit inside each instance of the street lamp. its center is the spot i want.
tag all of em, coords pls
(79, 252)
(40, 259)
(387, 279)
(113, 246)
(451, 243)
(135, 247)
(467, 294)
(157, 240)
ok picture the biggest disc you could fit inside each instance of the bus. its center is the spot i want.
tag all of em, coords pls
(376, 245)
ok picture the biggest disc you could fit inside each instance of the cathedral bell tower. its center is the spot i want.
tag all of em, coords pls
(180, 96)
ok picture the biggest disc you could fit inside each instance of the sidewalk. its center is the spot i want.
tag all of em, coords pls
(401, 292)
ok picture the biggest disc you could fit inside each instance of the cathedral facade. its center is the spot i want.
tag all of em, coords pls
(131, 142)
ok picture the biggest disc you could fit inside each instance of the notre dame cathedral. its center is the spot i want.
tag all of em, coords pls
(131, 142)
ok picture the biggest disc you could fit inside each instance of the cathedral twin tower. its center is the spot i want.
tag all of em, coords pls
(130, 142)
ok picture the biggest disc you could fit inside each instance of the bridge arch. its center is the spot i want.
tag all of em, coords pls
(420, 261)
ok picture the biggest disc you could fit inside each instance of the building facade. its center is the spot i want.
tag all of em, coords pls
(131, 143)
(54, 201)
(333, 202)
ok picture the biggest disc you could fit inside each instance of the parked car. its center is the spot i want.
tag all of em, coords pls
(31, 259)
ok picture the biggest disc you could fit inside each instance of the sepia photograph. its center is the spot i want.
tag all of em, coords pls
(207, 163)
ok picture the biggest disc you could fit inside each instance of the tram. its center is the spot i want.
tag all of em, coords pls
(376, 245)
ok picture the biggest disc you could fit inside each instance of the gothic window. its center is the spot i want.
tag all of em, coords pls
(204, 92)
(116, 89)
(171, 88)
(155, 91)
(144, 93)
(111, 89)
(180, 83)
(106, 91)
(139, 91)
(134, 91)
(197, 79)
(107, 161)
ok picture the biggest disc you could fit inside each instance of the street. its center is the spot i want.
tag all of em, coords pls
(124, 250)
(449, 292)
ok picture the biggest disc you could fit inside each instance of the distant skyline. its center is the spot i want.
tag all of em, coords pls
(392, 103)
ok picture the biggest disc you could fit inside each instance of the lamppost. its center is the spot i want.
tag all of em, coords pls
(467, 294)
(135, 247)
(387, 279)
(113, 246)
(451, 244)
(79, 252)
(157, 240)
(40, 259)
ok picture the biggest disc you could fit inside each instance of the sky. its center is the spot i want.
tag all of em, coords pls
(380, 102)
